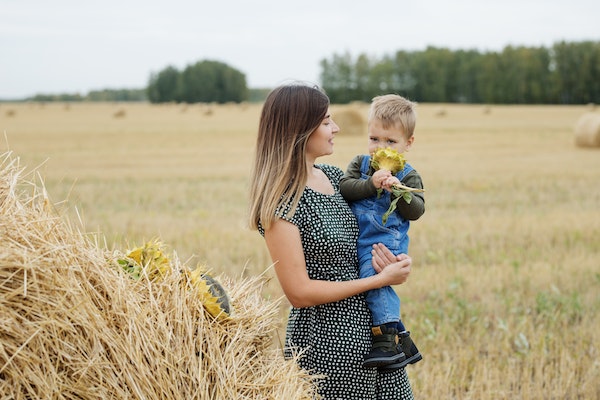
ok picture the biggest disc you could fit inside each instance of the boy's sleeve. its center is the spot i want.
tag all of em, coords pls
(416, 208)
(352, 187)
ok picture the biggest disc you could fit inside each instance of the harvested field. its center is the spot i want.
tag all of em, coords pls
(503, 297)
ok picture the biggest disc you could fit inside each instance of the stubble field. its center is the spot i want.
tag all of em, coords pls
(504, 293)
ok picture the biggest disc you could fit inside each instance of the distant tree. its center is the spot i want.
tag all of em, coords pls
(212, 81)
(365, 81)
(433, 70)
(404, 78)
(163, 87)
(577, 72)
(338, 78)
(383, 78)
(117, 95)
(489, 83)
(57, 97)
(523, 75)
(232, 85)
(463, 88)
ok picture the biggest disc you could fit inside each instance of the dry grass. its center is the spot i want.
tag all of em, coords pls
(503, 297)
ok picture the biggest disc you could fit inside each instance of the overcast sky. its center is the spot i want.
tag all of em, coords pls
(74, 46)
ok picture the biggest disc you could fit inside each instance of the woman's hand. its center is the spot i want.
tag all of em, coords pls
(396, 268)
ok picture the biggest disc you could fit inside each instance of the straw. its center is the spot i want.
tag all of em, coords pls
(73, 326)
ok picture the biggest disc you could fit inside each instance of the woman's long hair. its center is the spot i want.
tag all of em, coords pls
(289, 115)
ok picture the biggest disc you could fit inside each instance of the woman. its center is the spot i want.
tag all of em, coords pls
(311, 235)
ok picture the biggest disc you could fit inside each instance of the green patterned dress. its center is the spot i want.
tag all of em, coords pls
(334, 337)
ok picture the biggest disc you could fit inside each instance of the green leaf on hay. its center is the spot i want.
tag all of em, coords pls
(130, 267)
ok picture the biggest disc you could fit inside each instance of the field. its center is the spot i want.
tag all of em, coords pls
(504, 295)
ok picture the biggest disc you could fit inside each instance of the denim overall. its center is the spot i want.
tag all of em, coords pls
(384, 303)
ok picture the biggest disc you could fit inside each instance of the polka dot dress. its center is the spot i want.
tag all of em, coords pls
(333, 337)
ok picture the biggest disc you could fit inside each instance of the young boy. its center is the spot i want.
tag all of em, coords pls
(391, 123)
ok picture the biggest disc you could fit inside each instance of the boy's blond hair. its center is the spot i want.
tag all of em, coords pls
(394, 111)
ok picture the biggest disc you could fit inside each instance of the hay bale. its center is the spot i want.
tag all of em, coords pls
(350, 120)
(587, 130)
(121, 113)
(441, 112)
(74, 326)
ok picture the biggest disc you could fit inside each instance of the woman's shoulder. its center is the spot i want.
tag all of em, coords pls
(334, 173)
(330, 170)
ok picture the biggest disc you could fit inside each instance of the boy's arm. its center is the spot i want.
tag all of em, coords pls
(416, 208)
(352, 187)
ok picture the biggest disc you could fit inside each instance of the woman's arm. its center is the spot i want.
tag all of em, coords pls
(285, 246)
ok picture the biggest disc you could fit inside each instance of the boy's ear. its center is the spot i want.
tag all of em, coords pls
(409, 142)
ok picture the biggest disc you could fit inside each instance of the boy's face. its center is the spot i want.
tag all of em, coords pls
(393, 137)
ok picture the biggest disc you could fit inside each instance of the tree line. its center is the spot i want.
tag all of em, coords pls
(566, 73)
(95, 95)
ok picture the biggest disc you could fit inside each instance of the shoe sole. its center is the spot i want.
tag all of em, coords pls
(392, 367)
(383, 361)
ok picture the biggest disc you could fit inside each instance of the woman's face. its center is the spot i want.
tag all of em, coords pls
(320, 142)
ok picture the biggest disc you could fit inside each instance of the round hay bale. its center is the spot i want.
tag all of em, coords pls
(587, 130)
(351, 121)
(119, 113)
(441, 112)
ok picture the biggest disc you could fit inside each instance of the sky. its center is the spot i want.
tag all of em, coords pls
(74, 46)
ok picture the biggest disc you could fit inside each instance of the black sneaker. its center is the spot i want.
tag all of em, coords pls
(386, 348)
(410, 351)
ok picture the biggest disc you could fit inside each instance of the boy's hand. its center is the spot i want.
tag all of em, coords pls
(389, 182)
(380, 177)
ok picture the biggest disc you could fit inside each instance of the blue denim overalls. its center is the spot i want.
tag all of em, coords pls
(383, 303)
